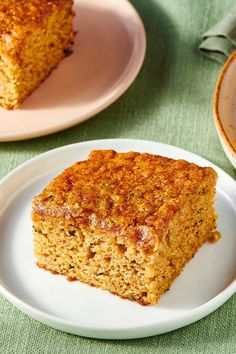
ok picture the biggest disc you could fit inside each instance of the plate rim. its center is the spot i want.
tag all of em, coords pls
(108, 100)
(117, 332)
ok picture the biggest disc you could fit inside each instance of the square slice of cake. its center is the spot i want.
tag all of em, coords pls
(34, 37)
(125, 222)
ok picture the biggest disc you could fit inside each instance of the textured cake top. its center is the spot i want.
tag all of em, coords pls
(26, 12)
(120, 190)
(18, 16)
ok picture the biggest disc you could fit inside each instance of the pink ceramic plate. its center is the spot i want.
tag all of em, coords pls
(108, 53)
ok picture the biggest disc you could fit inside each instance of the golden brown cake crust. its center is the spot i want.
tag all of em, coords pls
(26, 13)
(131, 192)
(18, 17)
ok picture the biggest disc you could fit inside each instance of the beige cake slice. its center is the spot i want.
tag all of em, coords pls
(34, 37)
(125, 222)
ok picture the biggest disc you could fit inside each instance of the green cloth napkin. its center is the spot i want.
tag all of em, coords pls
(170, 102)
(220, 41)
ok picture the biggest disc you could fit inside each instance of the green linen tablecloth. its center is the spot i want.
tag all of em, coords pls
(170, 102)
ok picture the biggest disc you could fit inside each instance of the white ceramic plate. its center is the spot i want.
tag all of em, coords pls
(206, 283)
(108, 53)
